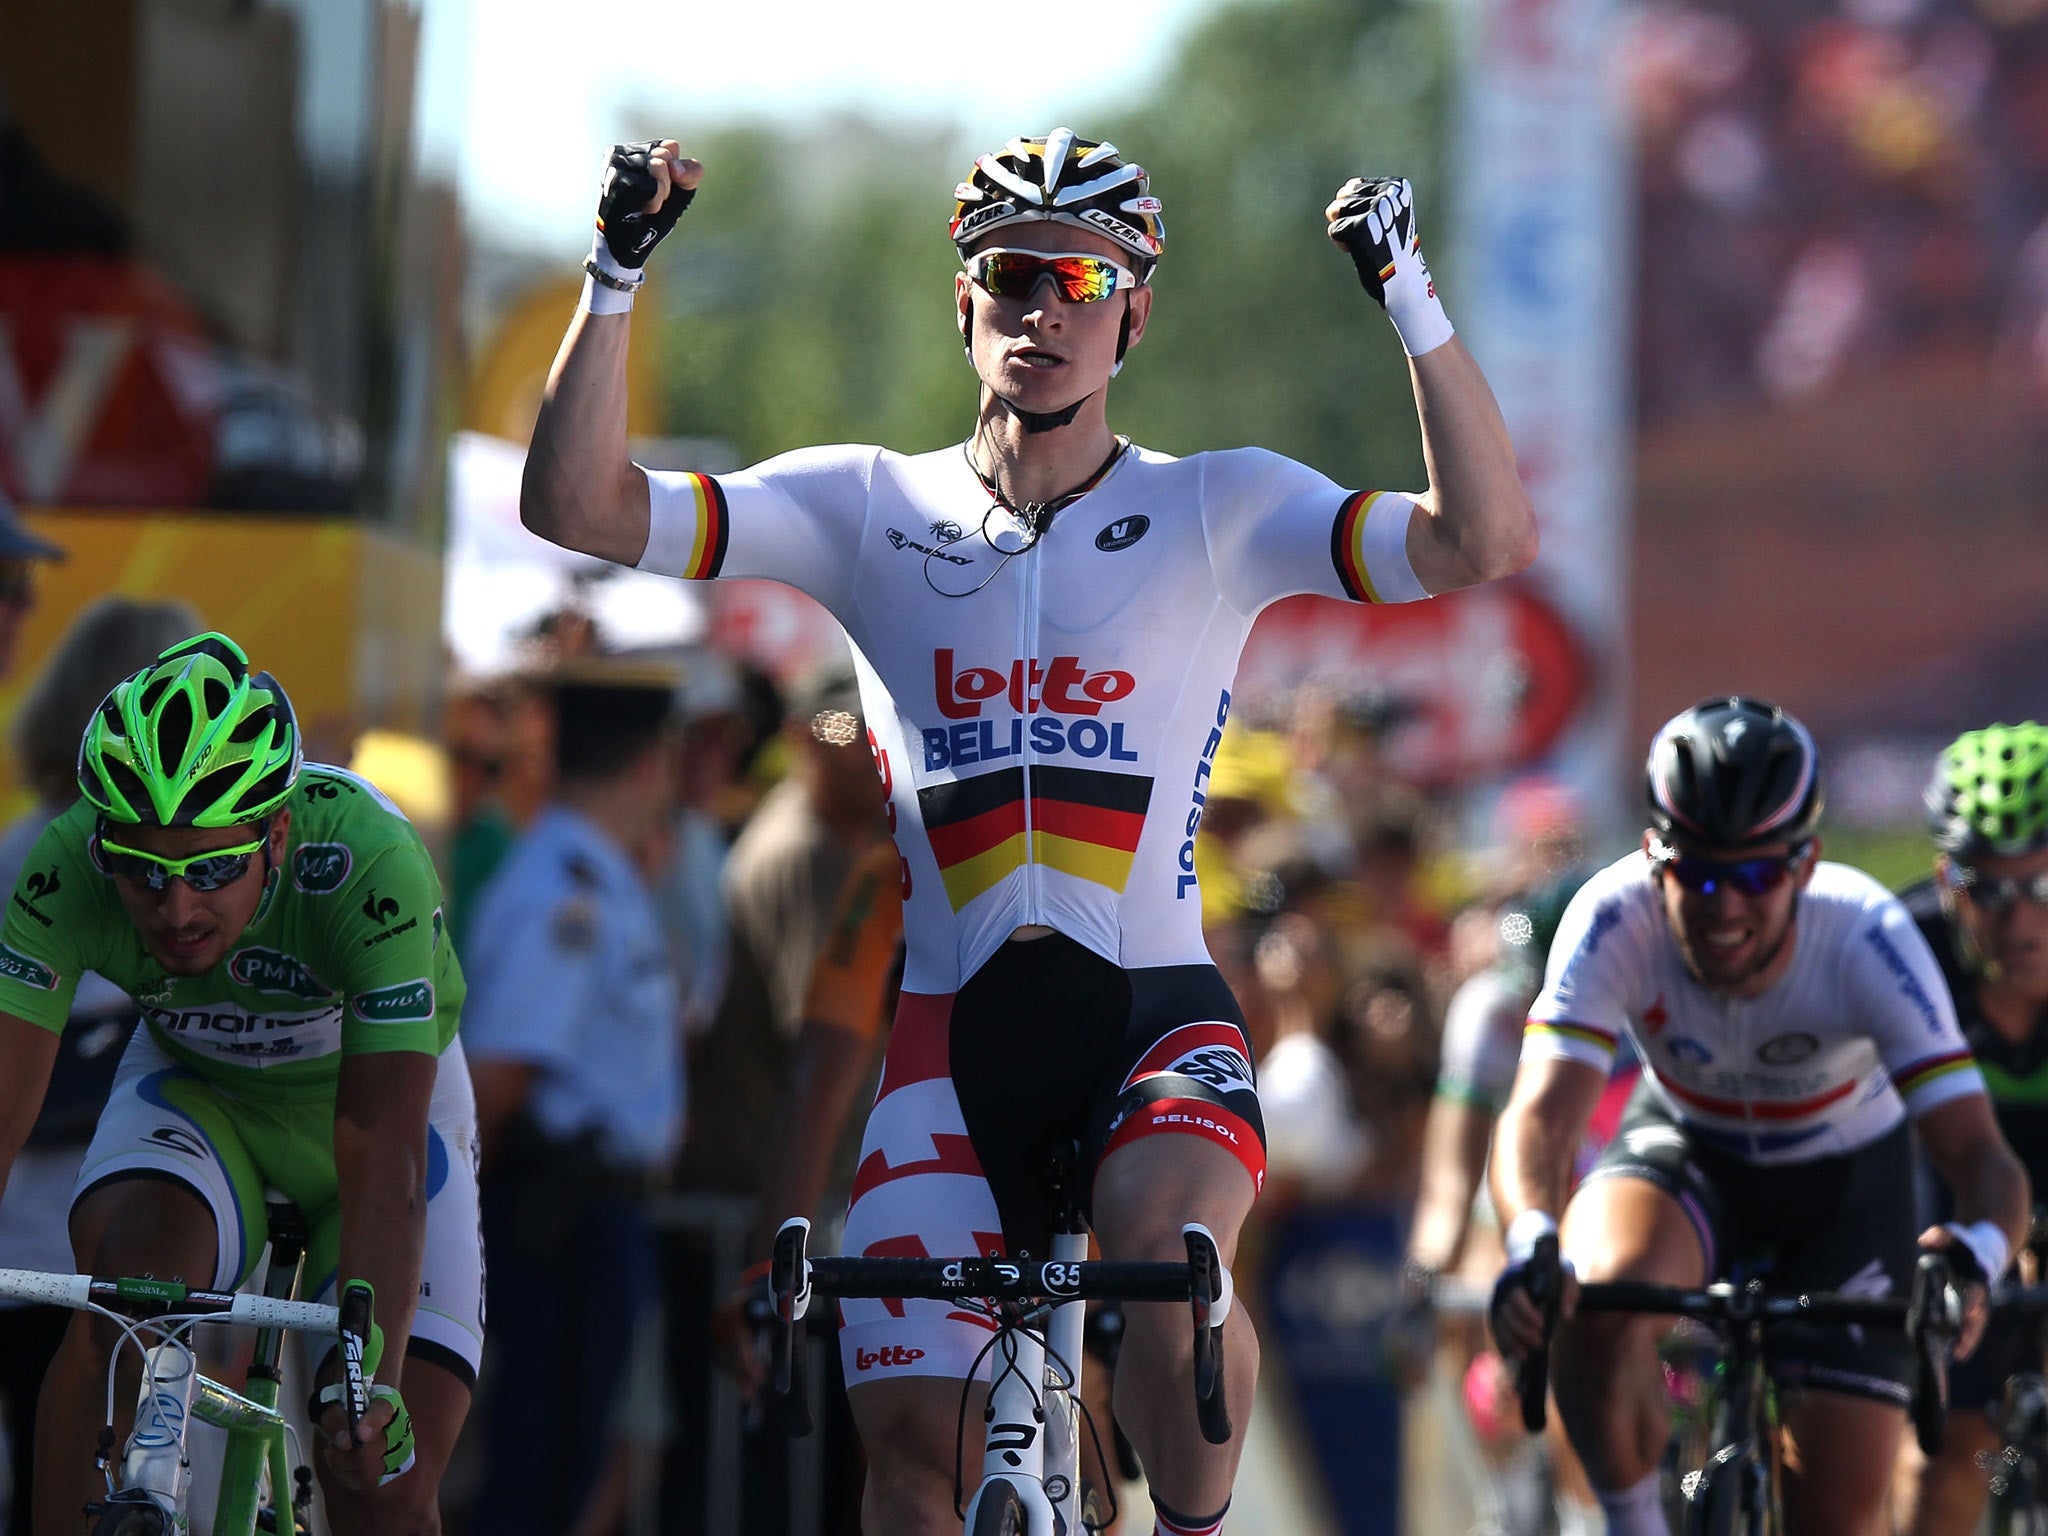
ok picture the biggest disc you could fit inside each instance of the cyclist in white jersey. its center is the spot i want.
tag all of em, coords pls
(1047, 619)
(1790, 1019)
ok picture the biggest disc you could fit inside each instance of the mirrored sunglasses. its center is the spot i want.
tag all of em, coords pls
(1705, 877)
(1996, 897)
(207, 871)
(1077, 278)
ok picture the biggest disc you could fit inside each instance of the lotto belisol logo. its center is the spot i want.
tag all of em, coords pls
(406, 1003)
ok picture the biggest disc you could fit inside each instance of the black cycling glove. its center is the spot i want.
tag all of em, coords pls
(629, 185)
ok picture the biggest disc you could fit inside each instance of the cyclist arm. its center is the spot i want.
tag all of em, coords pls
(1987, 1181)
(1454, 1142)
(28, 1052)
(581, 488)
(1533, 1151)
(1474, 524)
(1537, 1141)
(380, 1165)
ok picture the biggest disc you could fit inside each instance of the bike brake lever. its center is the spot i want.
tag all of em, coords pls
(357, 1302)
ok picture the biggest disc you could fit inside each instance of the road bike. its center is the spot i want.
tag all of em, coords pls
(1031, 1481)
(2019, 1467)
(262, 1487)
(1736, 1487)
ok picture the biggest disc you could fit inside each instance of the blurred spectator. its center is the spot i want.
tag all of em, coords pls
(20, 552)
(784, 875)
(719, 744)
(1827, 188)
(571, 1029)
(500, 743)
(107, 641)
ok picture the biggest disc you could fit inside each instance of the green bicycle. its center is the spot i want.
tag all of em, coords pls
(148, 1490)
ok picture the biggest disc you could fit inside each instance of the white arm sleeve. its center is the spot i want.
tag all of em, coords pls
(1277, 528)
(796, 518)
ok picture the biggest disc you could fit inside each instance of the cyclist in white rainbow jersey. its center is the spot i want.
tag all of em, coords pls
(1048, 620)
(1790, 1019)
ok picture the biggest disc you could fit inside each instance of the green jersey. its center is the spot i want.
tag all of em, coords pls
(345, 955)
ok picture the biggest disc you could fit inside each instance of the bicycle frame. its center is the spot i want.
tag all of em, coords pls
(1044, 1467)
(153, 1466)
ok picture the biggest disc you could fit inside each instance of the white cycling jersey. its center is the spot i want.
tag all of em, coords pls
(1045, 741)
(1857, 1032)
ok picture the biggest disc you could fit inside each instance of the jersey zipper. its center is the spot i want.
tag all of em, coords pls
(1027, 647)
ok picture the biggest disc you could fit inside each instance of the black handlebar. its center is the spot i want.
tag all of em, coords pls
(794, 1279)
(1532, 1375)
(1928, 1317)
(1205, 1289)
(358, 1302)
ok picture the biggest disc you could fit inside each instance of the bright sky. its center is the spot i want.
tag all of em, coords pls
(531, 93)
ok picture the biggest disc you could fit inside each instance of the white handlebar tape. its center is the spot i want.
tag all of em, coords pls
(48, 1290)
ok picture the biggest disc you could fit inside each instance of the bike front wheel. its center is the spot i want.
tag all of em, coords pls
(1000, 1512)
(132, 1520)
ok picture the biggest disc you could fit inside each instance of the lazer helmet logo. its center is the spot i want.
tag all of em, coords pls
(1115, 228)
(982, 217)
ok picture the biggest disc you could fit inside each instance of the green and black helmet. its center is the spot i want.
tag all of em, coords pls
(1989, 793)
(192, 740)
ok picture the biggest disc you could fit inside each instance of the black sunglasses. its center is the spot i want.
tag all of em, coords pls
(1996, 897)
(1752, 877)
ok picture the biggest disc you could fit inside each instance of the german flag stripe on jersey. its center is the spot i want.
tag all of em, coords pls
(1082, 823)
(707, 555)
(1347, 546)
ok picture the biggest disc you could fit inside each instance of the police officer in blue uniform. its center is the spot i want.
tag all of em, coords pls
(573, 1033)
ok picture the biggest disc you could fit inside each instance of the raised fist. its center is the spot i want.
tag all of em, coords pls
(645, 189)
(1374, 219)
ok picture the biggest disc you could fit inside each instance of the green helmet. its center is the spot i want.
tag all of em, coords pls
(1989, 793)
(192, 740)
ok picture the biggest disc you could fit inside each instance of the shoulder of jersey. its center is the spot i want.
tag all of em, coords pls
(1847, 885)
(340, 821)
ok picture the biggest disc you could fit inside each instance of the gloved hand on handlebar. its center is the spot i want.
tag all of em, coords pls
(1530, 1294)
(382, 1447)
(1977, 1256)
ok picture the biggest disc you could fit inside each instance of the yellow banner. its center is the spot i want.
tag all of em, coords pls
(346, 615)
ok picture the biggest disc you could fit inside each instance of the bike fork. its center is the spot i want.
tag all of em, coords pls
(154, 1464)
(1032, 1442)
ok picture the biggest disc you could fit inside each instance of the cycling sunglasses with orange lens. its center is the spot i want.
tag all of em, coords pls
(1076, 277)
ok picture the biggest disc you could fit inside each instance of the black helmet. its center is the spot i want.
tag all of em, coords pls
(1732, 772)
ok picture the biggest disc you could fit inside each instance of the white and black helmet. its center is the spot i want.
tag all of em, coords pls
(1734, 772)
(1065, 178)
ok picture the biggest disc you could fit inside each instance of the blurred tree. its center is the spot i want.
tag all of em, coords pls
(814, 296)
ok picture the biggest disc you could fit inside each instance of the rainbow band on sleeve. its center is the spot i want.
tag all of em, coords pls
(1347, 546)
(1604, 1041)
(1931, 1069)
(707, 554)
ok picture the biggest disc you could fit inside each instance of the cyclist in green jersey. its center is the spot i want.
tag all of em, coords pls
(279, 925)
(1984, 913)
